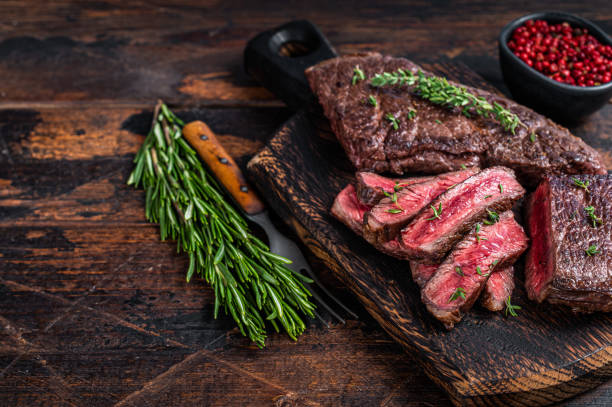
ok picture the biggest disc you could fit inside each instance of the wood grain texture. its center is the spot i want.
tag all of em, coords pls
(487, 359)
(94, 310)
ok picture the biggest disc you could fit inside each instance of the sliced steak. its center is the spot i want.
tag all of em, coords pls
(371, 187)
(505, 241)
(348, 210)
(558, 267)
(387, 217)
(430, 235)
(498, 288)
(437, 139)
(422, 273)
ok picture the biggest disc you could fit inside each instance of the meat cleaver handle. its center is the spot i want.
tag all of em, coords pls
(277, 58)
(221, 164)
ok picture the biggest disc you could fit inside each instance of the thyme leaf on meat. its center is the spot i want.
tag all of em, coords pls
(592, 250)
(372, 100)
(358, 75)
(511, 308)
(478, 237)
(590, 210)
(250, 283)
(463, 167)
(438, 121)
(493, 217)
(582, 184)
(411, 114)
(487, 196)
(459, 271)
(394, 210)
(436, 212)
(439, 91)
(493, 264)
(478, 270)
(393, 120)
(532, 137)
(501, 189)
(459, 292)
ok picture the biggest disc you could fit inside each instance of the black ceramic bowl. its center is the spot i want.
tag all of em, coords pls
(563, 102)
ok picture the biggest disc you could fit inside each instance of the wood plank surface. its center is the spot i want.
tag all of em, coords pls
(94, 310)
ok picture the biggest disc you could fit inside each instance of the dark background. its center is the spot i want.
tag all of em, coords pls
(94, 310)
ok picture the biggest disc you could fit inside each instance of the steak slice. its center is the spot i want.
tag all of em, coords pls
(348, 210)
(386, 218)
(558, 268)
(505, 241)
(437, 139)
(498, 288)
(429, 236)
(371, 187)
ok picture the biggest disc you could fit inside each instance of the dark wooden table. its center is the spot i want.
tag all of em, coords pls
(94, 310)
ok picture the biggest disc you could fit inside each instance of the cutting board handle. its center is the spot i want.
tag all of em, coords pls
(277, 58)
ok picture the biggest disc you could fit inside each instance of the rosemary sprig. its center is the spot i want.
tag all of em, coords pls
(582, 184)
(592, 250)
(438, 91)
(510, 308)
(250, 283)
(590, 210)
(459, 292)
(436, 212)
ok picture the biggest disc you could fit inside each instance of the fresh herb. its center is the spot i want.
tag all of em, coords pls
(398, 187)
(411, 114)
(372, 100)
(451, 187)
(592, 250)
(463, 167)
(532, 137)
(358, 75)
(501, 189)
(590, 210)
(478, 270)
(250, 283)
(459, 271)
(478, 237)
(487, 196)
(438, 121)
(582, 184)
(459, 292)
(493, 264)
(436, 212)
(493, 218)
(392, 196)
(393, 121)
(510, 308)
(394, 210)
(438, 91)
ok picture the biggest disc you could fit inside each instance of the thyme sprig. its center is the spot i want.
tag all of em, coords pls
(459, 292)
(592, 250)
(358, 75)
(438, 91)
(493, 218)
(590, 210)
(582, 184)
(250, 283)
(436, 212)
(393, 120)
(511, 308)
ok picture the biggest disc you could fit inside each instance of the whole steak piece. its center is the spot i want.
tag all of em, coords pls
(559, 267)
(435, 229)
(434, 139)
(457, 283)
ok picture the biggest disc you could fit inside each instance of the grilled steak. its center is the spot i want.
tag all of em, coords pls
(386, 219)
(457, 283)
(437, 139)
(348, 210)
(498, 288)
(436, 228)
(558, 267)
(371, 187)
(422, 273)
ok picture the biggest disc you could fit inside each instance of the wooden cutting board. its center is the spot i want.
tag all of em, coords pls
(546, 354)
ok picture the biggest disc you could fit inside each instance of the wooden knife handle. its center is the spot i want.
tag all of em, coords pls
(201, 137)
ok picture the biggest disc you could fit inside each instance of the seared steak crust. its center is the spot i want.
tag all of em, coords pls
(558, 268)
(437, 139)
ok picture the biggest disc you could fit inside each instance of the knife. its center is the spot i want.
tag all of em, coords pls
(229, 175)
